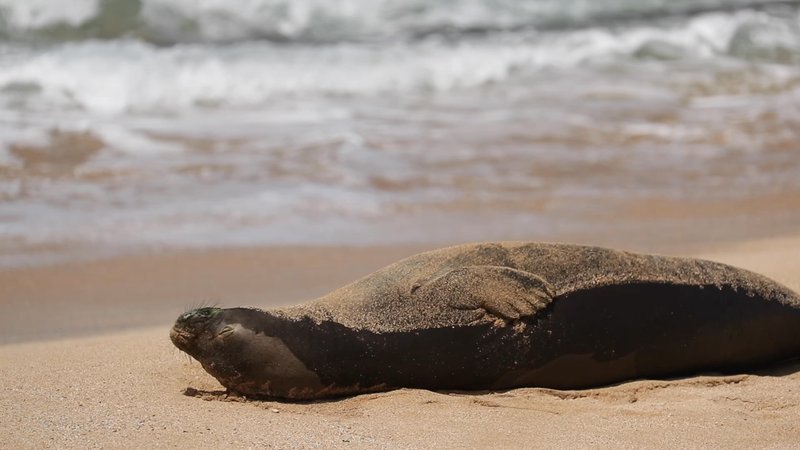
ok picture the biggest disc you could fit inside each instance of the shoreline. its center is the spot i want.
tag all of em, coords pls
(651, 225)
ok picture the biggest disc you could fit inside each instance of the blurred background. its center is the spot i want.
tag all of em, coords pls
(128, 125)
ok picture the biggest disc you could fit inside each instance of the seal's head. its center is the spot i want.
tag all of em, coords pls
(241, 348)
(195, 331)
(206, 334)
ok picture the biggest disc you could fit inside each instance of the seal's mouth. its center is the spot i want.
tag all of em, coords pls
(180, 337)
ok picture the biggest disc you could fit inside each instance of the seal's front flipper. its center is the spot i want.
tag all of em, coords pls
(506, 293)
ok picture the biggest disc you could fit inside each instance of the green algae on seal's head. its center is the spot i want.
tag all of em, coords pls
(498, 316)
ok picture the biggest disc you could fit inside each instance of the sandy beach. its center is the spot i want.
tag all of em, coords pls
(88, 364)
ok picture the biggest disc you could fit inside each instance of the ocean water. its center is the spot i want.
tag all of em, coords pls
(135, 124)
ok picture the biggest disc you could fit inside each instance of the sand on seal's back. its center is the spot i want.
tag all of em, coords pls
(384, 301)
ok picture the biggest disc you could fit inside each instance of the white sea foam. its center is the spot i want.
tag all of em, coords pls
(130, 76)
(175, 21)
(34, 14)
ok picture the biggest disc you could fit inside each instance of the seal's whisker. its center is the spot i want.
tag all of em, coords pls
(182, 354)
(197, 304)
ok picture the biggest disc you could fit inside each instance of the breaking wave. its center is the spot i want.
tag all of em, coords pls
(166, 22)
(124, 76)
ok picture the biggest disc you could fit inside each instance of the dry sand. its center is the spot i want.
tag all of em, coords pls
(84, 366)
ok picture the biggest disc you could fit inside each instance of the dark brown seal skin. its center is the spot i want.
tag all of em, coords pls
(498, 316)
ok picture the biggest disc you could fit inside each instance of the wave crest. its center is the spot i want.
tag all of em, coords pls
(126, 76)
(168, 22)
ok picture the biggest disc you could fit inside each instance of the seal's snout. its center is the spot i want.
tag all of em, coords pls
(179, 338)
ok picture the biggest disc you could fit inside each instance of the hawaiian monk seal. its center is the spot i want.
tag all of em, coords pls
(499, 316)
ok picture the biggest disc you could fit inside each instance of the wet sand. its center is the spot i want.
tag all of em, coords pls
(87, 363)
